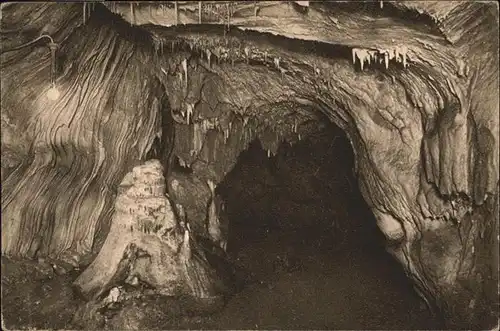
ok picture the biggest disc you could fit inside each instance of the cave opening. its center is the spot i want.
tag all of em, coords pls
(301, 233)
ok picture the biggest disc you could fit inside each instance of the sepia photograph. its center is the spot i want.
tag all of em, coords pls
(250, 165)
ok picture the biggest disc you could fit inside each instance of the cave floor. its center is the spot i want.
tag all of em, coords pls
(317, 285)
(34, 296)
(292, 285)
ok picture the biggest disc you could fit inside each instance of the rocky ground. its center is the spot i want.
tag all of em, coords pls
(291, 284)
(35, 296)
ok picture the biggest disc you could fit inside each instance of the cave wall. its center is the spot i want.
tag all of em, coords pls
(74, 150)
(425, 155)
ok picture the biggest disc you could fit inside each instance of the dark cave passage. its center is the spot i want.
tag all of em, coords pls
(307, 188)
(309, 245)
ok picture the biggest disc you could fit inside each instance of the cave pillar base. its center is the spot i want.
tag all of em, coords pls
(146, 245)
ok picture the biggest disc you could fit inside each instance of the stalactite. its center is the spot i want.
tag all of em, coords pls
(462, 70)
(189, 111)
(200, 129)
(277, 62)
(209, 56)
(132, 14)
(361, 55)
(247, 51)
(84, 12)
(213, 223)
(399, 54)
(282, 72)
(176, 9)
(185, 69)
(182, 162)
(200, 4)
(160, 46)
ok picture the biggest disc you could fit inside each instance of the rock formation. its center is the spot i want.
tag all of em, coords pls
(414, 85)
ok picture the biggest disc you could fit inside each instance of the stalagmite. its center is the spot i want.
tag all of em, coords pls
(386, 60)
(141, 212)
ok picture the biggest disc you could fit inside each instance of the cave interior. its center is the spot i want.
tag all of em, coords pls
(250, 165)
